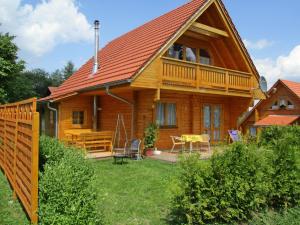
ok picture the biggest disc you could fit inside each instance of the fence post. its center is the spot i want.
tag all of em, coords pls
(35, 167)
(15, 149)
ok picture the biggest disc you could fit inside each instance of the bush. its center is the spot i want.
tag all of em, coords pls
(271, 135)
(226, 189)
(66, 195)
(286, 178)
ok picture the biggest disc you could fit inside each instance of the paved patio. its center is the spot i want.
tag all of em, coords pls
(174, 157)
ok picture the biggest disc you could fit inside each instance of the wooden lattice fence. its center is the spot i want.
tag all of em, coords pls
(19, 151)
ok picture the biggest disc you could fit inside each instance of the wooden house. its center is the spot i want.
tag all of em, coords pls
(188, 70)
(281, 107)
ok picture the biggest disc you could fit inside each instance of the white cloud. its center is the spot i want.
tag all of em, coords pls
(258, 45)
(42, 27)
(284, 67)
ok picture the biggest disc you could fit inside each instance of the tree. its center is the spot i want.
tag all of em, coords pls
(10, 66)
(28, 84)
(68, 70)
(57, 78)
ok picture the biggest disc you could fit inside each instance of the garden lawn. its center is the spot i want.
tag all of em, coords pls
(135, 193)
(11, 212)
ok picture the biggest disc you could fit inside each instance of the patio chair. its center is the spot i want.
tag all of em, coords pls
(176, 141)
(134, 149)
(205, 140)
(235, 135)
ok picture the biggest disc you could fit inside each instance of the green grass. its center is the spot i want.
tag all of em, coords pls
(11, 212)
(135, 193)
(289, 217)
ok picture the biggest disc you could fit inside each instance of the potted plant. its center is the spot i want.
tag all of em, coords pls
(151, 135)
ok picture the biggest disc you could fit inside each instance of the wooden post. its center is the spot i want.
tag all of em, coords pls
(15, 149)
(227, 81)
(35, 167)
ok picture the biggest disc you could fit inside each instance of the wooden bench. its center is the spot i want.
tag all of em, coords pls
(96, 141)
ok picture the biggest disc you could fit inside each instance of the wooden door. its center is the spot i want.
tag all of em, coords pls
(212, 121)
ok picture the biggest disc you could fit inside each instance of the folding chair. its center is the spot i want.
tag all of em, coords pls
(134, 149)
(176, 141)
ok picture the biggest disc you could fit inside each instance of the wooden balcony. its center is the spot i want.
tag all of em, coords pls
(194, 76)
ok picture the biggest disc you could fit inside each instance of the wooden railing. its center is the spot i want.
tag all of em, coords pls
(194, 75)
(19, 143)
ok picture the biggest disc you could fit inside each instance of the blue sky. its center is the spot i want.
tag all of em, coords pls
(56, 31)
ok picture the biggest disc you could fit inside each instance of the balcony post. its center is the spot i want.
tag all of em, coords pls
(227, 81)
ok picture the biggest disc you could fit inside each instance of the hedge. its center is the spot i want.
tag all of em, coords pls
(66, 195)
(243, 180)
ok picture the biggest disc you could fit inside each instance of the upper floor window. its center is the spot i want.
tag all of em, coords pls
(166, 114)
(205, 57)
(78, 117)
(176, 51)
(275, 105)
(290, 105)
(191, 54)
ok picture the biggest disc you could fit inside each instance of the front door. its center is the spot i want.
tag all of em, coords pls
(212, 121)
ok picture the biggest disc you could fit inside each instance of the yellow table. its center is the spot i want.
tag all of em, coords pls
(191, 138)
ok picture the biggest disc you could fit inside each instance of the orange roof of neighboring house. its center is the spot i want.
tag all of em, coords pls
(293, 86)
(279, 120)
(122, 58)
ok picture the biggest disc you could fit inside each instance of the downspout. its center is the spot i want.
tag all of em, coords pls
(107, 91)
(95, 113)
(56, 118)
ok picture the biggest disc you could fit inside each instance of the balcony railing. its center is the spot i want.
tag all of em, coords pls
(194, 75)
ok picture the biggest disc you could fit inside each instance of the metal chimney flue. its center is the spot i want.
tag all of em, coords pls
(96, 64)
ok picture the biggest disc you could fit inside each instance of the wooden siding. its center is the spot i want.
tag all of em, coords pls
(189, 112)
(66, 108)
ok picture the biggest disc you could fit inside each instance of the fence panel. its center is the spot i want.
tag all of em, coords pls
(19, 151)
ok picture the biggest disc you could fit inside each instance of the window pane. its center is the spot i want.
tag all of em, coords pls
(205, 57)
(160, 115)
(207, 116)
(191, 54)
(176, 51)
(217, 135)
(252, 131)
(171, 114)
(78, 117)
(217, 116)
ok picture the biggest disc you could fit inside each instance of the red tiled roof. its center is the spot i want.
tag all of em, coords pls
(122, 58)
(293, 86)
(279, 120)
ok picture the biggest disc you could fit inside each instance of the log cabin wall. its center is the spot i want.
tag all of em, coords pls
(189, 110)
(66, 108)
(110, 108)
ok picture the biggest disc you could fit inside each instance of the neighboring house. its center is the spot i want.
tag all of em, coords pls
(282, 107)
(187, 70)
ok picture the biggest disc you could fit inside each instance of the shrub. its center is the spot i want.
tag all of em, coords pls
(286, 178)
(66, 195)
(226, 189)
(51, 151)
(271, 135)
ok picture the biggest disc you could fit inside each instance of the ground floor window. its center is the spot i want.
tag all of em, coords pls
(78, 117)
(166, 114)
(252, 131)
